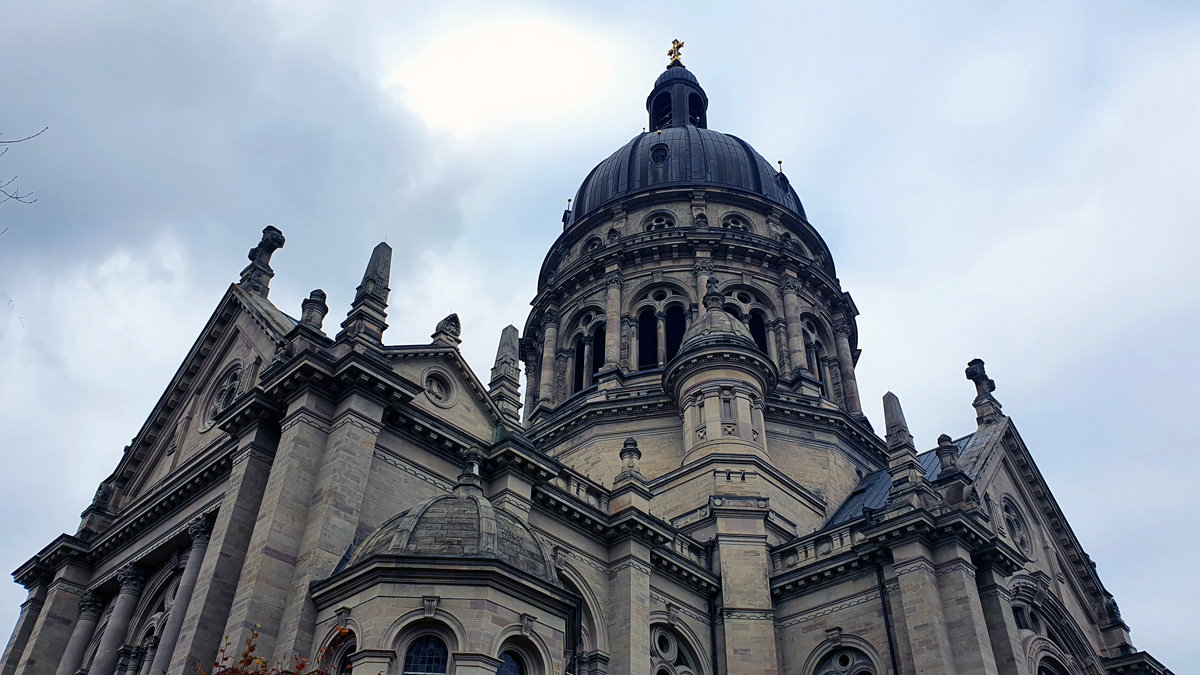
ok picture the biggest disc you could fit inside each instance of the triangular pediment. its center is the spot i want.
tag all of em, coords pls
(236, 343)
(452, 393)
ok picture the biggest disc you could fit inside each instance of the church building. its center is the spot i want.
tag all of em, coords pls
(687, 485)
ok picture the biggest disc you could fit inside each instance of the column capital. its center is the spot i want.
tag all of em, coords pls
(613, 279)
(200, 530)
(843, 329)
(549, 319)
(791, 285)
(90, 605)
(132, 578)
(660, 315)
(702, 266)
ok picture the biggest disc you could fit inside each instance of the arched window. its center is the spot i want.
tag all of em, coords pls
(758, 330)
(647, 340)
(1049, 666)
(592, 244)
(660, 112)
(669, 654)
(696, 111)
(845, 661)
(675, 326)
(597, 349)
(736, 223)
(427, 656)
(1016, 527)
(511, 664)
(577, 376)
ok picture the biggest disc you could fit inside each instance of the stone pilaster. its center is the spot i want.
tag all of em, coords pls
(132, 579)
(629, 620)
(30, 609)
(264, 589)
(53, 627)
(746, 633)
(203, 627)
(965, 625)
(996, 606)
(922, 618)
(333, 514)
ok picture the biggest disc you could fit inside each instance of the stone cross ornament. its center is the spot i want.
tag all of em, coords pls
(673, 52)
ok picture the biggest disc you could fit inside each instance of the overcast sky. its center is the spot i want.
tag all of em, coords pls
(1011, 181)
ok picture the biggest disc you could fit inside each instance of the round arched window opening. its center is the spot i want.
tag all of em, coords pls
(427, 655)
(659, 221)
(669, 653)
(659, 153)
(511, 664)
(225, 392)
(845, 661)
(1017, 528)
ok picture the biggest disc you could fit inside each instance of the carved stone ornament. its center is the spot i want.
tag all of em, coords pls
(527, 624)
(613, 279)
(700, 220)
(450, 325)
(200, 530)
(430, 603)
(102, 496)
(843, 329)
(132, 578)
(272, 240)
(90, 605)
(702, 266)
(792, 285)
(550, 319)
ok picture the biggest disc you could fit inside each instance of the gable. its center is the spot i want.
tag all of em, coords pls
(452, 393)
(240, 335)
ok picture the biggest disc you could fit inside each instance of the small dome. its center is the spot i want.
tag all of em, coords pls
(716, 326)
(459, 526)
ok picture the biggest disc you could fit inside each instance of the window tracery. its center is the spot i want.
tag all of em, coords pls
(659, 221)
(668, 654)
(845, 661)
(1017, 529)
(225, 392)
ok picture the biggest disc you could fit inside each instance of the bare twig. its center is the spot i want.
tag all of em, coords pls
(22, 140)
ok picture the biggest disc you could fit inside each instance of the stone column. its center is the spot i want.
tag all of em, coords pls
(90, 607)
(131, 579)
(129, 658)
(846, 366)
(549, 349)
(922, 618)
(199, 530)
(792, 310)
(635, 354)
(778, 339)
(690, 422)
(531, 389)
(703, 269)
(587, 359)
(759, 422)
(629, 620)
(30, 609)
(204, 621)
(149, 652)
(612, 322)
(660, 319)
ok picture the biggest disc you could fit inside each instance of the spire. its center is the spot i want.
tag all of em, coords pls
(368, 312)
(256, 278)
(908, 478)
(987, 408)
(898, 437)
(504, 389)
(677, 99)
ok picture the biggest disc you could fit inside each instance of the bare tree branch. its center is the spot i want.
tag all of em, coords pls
(14, 193)
(22, 140)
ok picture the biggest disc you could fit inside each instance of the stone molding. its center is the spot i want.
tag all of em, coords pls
(956, 565)
(356, 419)
(746, 615)
(307, 417)
(630, 562)
(836, 606)
(913, 565)
(682, 608)
(405, 465)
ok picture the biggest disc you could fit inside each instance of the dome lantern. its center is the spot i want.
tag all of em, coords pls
(677, 98)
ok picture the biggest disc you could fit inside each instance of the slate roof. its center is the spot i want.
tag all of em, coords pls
(872, 491)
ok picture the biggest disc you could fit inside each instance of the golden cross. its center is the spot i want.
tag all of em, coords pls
(673, 52)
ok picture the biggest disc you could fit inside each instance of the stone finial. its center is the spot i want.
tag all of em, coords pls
(987, 408)
(368, 313)
(898, 437)
(630, 458)
(504, 388)
(469, 481)
(256, 278)
(313, 310)
(947, 454)
(713, 299)
(448, 331)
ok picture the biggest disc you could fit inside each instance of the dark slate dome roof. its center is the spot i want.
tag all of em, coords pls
(459, 526)
(681, 151)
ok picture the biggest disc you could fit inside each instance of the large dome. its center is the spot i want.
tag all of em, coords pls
(680, 150)
(459, 526)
